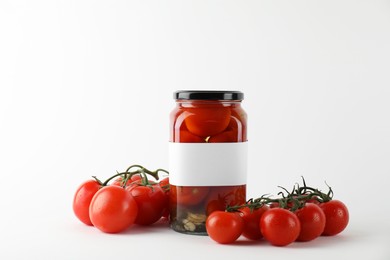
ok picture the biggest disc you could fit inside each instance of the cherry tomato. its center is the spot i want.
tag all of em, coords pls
(113, 209)
(206, 121)
(187, 137)
(82, 200)
(337, 217)
(238, 121)
(224, 227)
(222, 196)
(187, 195)
(224, 137)
(215, 205)
(280, 226)
(151, 201)
(252, 222)
(312, 220)
(313, 200)
(232, 134)
(273, 205)
(118, 181)
(164, 184)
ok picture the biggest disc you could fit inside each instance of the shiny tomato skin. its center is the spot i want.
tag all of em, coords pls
(118, 181)
(113, 209)
(187, 137)
(279, 226)
(151, 202)
(82, 200)
(252, 222)
(337, 217)
(224, 227)
(214, 205)
(312, 220)
(229, 136)
(164, 184)
(207, 121)
(187, 195)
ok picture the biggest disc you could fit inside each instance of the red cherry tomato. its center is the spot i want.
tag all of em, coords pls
(187, 195)
(113, 209)
(164, 184)
(337, 217)
(229, 136)
(187, 137)
(232, 134)
(222, 196)
(312, 220)
(224, 227)
(313, 200)
(252, 222)
(280, 226)
(82, 200)
(214, 205)
(206, 120)
(151, 201)
(118, 181)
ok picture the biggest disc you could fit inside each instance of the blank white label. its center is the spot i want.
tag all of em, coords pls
(208, 164)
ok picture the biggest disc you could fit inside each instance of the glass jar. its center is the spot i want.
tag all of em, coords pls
(207, 157)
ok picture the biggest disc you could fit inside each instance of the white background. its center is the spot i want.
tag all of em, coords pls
(86, 89)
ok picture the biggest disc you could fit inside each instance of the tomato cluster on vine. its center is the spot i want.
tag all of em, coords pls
(301, 215)
(124, 199)
(131, 197)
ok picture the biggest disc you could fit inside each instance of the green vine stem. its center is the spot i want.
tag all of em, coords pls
(293, 200)
(126, 175)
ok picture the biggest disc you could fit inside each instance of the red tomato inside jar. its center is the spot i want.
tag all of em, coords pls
(208, 157)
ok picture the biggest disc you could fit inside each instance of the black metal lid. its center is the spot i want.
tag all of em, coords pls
(208, 95)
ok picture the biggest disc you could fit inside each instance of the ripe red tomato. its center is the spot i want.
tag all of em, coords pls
(187, 137)
(215, 205)
(312, 220)
(187, 195)
(82, 200)
(118, 181)
(164, 184)
(113, 209)
(225, 137)
(252, 222)
(337, 217)
(207, 120)
(313, 200)
(224, 227)
(151, 201)
(280, 226)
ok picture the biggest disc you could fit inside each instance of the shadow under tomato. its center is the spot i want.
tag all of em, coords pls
(160, 226)
(322, 242)
(247, 242)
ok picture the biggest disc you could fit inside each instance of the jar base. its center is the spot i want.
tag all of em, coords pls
(181, 230)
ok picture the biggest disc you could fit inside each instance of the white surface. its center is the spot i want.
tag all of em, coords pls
(86, 89)
(208, 164)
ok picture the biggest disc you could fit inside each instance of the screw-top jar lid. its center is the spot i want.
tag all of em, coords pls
(208, 95)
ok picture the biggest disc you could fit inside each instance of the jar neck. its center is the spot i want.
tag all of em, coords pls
(208, 103)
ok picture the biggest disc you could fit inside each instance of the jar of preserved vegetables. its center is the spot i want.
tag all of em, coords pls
(208, 156)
